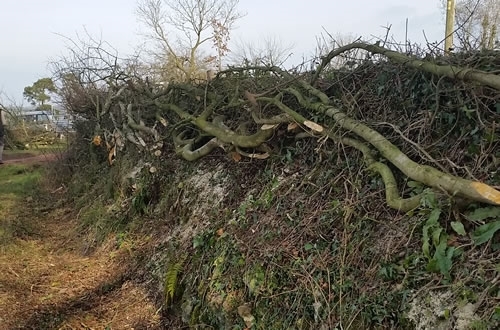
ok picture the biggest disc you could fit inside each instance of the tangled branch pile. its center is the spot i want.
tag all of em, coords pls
(404, 114)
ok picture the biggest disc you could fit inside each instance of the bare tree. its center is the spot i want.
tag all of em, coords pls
(12, 108)
(87, 76)
(269, 51)
(181, 28)
(326, 41)
(477, 23)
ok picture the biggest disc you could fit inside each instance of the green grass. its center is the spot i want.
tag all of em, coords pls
(58, 146)
(17, 182)
(38, 149)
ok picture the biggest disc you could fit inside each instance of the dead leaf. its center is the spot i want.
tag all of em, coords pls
(266, 127)
(314, 126)
(292, 126)
(112, 155)
(152, 169)
(220, 231)
(251, 98)
(236, 156)
(141, 140)
(163, 121)
(245, 313)
(158, 153)
(453, 241)
(97, 140)
(259, 156)
(118, 138)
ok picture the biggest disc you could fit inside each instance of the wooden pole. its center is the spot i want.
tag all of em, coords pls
(450, 22)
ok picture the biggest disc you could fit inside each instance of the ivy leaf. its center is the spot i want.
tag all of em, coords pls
(468, 112)
(197, 241)
(497, 107)
(485, 232)
(308, 246)
(380, 90)
(458, 227)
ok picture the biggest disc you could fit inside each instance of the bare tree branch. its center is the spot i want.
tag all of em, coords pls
(180, 28)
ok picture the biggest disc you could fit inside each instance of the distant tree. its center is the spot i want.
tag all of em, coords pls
(269, 51)
(38, 93)
(180, 28)
(477, 24)
(326, 42)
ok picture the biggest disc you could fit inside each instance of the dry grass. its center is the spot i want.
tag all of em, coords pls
(48, 283)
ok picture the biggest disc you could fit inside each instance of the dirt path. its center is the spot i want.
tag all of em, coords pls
(28, 158)
(48, 282)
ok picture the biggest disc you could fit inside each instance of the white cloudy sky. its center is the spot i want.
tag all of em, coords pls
(30, 30)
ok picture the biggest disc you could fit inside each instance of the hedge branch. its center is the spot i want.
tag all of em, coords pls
(427, 175)
(392, 195)
(450, 71)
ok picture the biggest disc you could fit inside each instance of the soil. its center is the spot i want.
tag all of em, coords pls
(49, 280)
(29, 158)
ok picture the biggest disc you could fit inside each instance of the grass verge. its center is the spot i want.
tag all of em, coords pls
(18, 183)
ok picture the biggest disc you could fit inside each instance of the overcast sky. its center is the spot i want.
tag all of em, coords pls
(30, 30)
